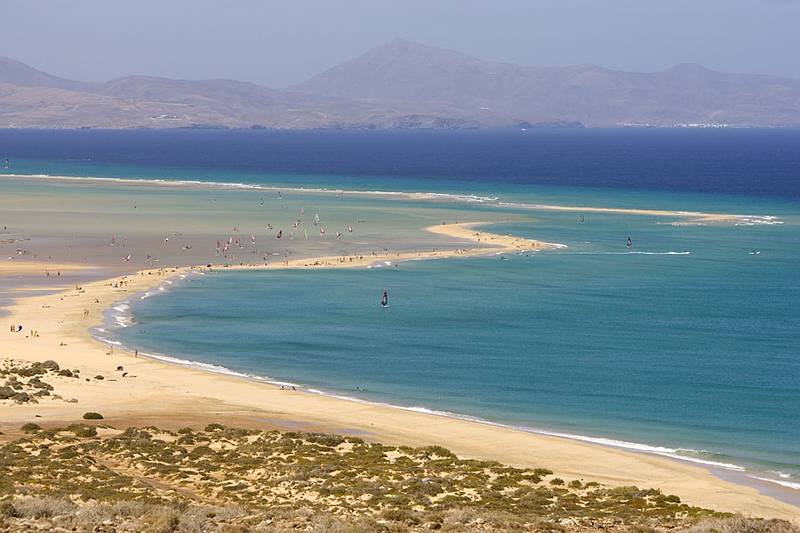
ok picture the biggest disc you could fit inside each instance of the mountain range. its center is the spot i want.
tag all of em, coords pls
(407, 85)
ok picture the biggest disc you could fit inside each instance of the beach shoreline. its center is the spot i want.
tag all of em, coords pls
(155, 390)
(686, 217)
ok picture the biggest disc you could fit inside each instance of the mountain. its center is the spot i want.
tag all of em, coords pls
(407, 85)
(16, 73)
(595, 96)
(149, 102)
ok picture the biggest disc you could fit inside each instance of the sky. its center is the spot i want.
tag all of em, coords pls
(279, 43)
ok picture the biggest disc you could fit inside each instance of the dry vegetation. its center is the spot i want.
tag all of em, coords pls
(22, 381)
(95, 478)
(92, 477)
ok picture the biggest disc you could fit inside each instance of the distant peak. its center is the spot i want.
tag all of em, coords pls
(689, 68)
(10, 62)
(404, 45)
(18, 73)
(399, 42)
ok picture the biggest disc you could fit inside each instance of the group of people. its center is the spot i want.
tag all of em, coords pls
(17, 328)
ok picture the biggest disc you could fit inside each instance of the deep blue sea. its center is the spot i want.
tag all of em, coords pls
(687, 344)
(752, 162)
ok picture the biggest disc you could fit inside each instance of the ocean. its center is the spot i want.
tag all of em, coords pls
(685, 344)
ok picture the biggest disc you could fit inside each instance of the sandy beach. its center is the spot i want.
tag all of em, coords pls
(138, 390)
(484, 243)
(691, 217)
(24, 268)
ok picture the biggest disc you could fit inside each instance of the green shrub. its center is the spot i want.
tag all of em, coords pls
(82, 430)
(401, 515)
(36, 369)
(37, 383)
(30, 427)
(439, 451)
(556, 481)
(21, 397)
(51, 365)
(234, 433)
(186, 439)
(92, 416)
(200, 451)
(625, 493)
(324, 439)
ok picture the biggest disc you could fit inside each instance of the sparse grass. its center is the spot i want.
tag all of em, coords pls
(153, 480)
(740, 524)
(42, 507)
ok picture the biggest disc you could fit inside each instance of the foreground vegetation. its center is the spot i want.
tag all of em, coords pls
(96, 478)
(92, 477)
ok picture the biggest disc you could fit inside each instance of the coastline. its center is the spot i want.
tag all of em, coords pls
(154, 394)
(688, 217)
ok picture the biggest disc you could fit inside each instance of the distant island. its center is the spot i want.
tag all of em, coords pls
(408, 85)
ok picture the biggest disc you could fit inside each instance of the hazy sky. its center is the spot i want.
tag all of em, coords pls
(278, 43)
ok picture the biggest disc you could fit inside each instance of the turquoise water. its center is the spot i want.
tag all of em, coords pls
(685, 344)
